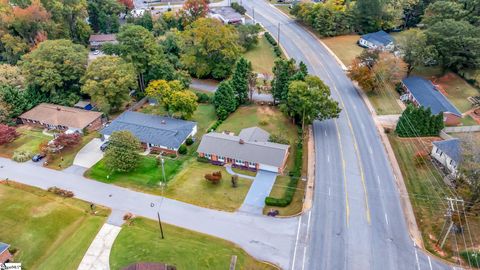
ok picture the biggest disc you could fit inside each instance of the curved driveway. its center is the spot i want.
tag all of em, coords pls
(356, 221)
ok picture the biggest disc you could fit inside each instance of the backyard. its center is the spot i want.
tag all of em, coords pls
(427, 193)
(47, 231)
(262, 56)
(185, 249)
(457, 90)
(29, 140)
(190, 186)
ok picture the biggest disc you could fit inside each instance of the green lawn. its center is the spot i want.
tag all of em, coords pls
(146, 177)
(29, 139)
(69, 154)
(185, 249)
(262, 56)
(345, 47)
(468, 121)
(190, 186)
(457, 90)
(278, 190)
(426, 191)
(49, 232)
(244, 172)
(385, 101)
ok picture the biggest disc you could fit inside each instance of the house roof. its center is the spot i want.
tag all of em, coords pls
(254, 134)
(154, 129)
(61, 116)
(227, 13)
(225, 145)
(380, 38)
(103, 38)
(427, 95)
(3, 247)
(451, 148)
(82, 104)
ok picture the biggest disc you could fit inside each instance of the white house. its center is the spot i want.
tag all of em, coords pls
(448, 153)
(377, 40)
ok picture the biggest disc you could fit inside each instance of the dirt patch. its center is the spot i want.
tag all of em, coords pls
(43, 210)
(266, 111)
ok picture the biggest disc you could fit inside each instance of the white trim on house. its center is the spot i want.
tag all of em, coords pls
(445, 160)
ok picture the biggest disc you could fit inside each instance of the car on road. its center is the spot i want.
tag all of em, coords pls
(38, 157)
(104, 146)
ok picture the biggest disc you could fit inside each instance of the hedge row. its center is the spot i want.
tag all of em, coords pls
(215, 125)
(276, 48)
(295, 175)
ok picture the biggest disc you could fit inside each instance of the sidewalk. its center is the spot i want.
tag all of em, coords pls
(98, 254)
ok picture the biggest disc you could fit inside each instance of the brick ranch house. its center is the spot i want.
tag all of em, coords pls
(422, 92)
(249, 150)
(62, 118)
(156, 133)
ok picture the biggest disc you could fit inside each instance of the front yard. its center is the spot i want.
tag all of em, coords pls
(48, 232)
(262, 56)
(345, 47)
(427, 193)
(185, 249)
(68, 155)
(29, 140)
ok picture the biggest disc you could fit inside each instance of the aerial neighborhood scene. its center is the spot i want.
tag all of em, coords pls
(239, 134)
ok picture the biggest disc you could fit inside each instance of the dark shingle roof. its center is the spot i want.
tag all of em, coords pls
(451, 148)
(380, 38)
(428, 96)
(154, 129)
(3, 247)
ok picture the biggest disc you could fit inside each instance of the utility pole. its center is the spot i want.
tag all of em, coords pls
(451, 202)
(253, 14)
(160, 224)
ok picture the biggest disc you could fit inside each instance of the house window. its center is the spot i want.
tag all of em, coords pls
(437, 151)
(451, 162)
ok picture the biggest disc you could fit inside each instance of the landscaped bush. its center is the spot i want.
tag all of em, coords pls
(22, 155)
(189, 141)
(182, 150)
(214, 177)
(215, 125)
(277, 51)
(238, 8)
(473, 257)
(295, 175)
(61, 192)
(203, 159)
(270, 39)
(202, 97)
(277, 138)
(263, 123)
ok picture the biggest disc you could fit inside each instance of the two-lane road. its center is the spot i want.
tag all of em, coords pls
(357, 221)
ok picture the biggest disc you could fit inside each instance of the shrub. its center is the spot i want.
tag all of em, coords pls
(189, 141)
(215, 125)
(277, 138)
(471, 256)
(203, 159)
(182, 150)
(270, 39)
(22, 155)
(235, 180)
(172, 155)
(238, 8)
(277, 51)
(214, 177)
(61, 192)
(263, 123)
(202, 97)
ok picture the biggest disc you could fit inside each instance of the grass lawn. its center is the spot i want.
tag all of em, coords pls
(29, 139)
(185, 249)
(457, 90)
(146, 177)
(265, 117)
(69, 154)
(49, 232)
(345, 47)
(385, 102)
(296, 206)
(468, 121)
(244, 172)
(427, 192)
(190, 186)
(262, 56)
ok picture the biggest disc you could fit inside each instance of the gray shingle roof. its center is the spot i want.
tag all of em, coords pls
(3, 247)
(154, 129)
(451, 148)
(380, 38)
(254, 134)
(428, 96)
(220, 144)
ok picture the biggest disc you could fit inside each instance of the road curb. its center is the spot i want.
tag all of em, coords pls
(308, 201)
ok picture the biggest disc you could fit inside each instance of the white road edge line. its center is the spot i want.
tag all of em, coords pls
(325, 133)
(430, 262)
(306, 239)
(416, 257)
(386, 218)
(328, 191)
(304, 256)
(296, 243)
(328, 158)
(378, 179)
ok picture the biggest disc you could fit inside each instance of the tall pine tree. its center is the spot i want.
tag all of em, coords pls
(243, 69)
(224, 100)
(417, 122)
(283, 72)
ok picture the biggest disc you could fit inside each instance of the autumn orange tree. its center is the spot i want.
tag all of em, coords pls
(193, 10)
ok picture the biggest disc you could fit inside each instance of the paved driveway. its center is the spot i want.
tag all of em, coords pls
(89, 154)
(261, 187)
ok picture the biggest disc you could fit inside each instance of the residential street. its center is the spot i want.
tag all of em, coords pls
(357, 221)
(265, 238)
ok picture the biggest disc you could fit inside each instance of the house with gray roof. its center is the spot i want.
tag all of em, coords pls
(378, 40)
(422, 92)
(249, 150)
(159, 133)
(448, 153)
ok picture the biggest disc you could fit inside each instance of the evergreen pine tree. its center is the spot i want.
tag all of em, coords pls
(224, 100)
(239, 81)
(416, 122)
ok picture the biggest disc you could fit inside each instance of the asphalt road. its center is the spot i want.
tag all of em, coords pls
(356, 221)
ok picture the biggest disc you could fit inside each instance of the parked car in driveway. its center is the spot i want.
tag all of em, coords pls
(38, 157)
(104, 146)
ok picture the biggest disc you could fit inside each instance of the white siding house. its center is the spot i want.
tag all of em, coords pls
(448, 153)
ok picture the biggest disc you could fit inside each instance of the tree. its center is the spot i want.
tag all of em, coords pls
(28, 22)
(443, 10)
(309, 100)
(122, 152)
(193, 10)
(224, 100)
(66, 141)
(184, 102)
(248, 35)
(416, 51)
(12, 103)
(209, 48)
(128, 4)
(362, 74)
(55, 67)
(283, 70)
(145, 20)
(239, 81)
(416, 122)
(13, 48)
(457, 43)
(104, 15)
(7, 134)
(11, 76)
(470, 170)
(173, 97)
(108, 81)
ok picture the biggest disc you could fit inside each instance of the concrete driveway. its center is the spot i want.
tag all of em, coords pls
(89, 154)
(261, 187)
